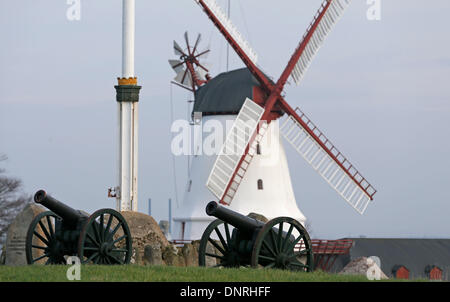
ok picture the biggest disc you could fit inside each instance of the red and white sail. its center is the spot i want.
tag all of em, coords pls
(226, 23)
(234, 158)
(324, 21)
(327, 160)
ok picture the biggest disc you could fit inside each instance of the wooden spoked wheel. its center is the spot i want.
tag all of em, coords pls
(105, 239)
(283, 243)
(41, 246)
(222, 251)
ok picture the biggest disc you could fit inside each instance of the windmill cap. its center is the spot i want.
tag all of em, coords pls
(225, 93)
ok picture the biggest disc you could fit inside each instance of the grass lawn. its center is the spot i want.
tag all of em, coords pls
(133, 273)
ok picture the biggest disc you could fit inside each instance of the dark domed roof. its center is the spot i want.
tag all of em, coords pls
(226, 93)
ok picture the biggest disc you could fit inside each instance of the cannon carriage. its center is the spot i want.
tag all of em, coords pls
(100, 238)
(234, 240)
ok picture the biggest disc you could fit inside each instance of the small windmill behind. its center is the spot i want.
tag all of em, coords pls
(190, 73)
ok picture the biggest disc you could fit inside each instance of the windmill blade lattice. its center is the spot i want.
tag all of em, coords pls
(327, 160)
(327, 16)
(190, 73)
(233, 161)
(217, 11)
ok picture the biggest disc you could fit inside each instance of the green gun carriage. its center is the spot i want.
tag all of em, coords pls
(101, 238)
(234, 240)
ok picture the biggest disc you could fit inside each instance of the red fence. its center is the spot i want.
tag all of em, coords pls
(326, 251)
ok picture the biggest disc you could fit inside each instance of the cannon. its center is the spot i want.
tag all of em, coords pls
(234, 240)
(101, 238)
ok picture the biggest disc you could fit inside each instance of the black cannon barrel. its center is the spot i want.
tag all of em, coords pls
(239, 221)
(69, 215)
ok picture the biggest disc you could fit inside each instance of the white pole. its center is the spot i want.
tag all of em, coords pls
(134, 174)
(125, 181)
(128, 29)
(128, 117)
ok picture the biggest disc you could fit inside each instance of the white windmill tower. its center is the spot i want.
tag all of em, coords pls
(256, 177)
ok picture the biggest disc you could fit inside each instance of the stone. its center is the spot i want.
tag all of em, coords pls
(196, 246)
(144, 231)
(210, 261)
(259, 217)
(17, 233)
(3, 255)
(153, 254)
(171, 256)
(364, 266)
(190, 254)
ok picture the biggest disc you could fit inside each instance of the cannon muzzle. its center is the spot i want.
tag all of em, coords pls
(239, 221)
(69, 215)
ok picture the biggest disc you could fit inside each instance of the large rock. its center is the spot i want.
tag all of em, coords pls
(364, 266)
(145, 231)
(153, 254)
(172, 256)
(17, 233)
(190, 254)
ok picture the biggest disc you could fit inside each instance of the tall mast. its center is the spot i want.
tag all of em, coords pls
(127, 98)
(128, 32)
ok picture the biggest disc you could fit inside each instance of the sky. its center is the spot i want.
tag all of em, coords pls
(378, 89)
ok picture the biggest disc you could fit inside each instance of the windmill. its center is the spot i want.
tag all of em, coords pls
(190, 72)
(230, 176)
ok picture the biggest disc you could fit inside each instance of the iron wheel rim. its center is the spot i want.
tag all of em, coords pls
(96, 245)
(47, 237)
(278, 252)
(228, 257)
